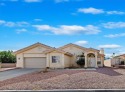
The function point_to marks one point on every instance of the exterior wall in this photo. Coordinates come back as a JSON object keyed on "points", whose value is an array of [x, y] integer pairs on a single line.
{"points": [[117, 60], [34, 55], [38, 49], [58, 64], [75, 51], [8, 65], [34, 52], [67, 61], [20, 62], [100, 59], [107, 63], [113, 61]]}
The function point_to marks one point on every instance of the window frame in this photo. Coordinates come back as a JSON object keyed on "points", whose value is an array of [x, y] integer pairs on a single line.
{"points": [[55, 59]]}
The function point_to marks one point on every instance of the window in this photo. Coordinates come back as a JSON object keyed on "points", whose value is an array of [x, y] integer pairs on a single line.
{"points": [[98, 62], [55, 59]]}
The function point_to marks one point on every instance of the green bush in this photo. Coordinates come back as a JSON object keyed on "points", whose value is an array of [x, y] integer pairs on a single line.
{"points": [[7, 57], [81, 61]]}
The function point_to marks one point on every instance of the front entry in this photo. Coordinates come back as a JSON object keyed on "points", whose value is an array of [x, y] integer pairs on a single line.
{"points": [[92, 62]]}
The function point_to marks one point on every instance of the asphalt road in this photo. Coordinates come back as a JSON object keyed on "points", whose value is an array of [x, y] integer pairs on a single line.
{"points": [[16, 72]]}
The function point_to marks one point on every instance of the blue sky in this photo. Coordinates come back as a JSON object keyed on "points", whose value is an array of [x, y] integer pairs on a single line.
{"points": [[89, 23]]}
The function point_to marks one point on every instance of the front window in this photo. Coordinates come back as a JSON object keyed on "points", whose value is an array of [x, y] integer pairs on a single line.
{"points": [[55, 59], [98, 62]]}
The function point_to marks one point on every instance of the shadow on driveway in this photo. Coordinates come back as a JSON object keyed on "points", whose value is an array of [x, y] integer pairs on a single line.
{"points": [[108, 71]]}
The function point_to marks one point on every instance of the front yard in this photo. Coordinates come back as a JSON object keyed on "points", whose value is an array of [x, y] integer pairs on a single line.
{"points": [[102, 78]]}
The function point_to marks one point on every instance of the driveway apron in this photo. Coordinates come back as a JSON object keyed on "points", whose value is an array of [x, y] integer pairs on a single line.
{"points": [[16, 72]]}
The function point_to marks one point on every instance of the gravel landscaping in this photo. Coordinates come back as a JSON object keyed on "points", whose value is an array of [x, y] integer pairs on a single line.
{"points": [[102, 78]]}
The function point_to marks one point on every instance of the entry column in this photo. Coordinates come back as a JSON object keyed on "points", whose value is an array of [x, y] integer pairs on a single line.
{"points": [[85, 60], [96, 60]]}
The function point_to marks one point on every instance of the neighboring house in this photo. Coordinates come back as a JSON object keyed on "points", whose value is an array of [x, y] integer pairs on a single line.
{"points": [[40, 56], [118, 60]]}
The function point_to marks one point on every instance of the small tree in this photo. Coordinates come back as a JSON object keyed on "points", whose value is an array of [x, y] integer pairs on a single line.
{"points": [[81, 60], [7, 57]]}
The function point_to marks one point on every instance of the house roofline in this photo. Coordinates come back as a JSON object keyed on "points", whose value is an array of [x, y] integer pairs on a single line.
{"points": [[119, 55], [30, 47], [58, 50], [62, 47]]}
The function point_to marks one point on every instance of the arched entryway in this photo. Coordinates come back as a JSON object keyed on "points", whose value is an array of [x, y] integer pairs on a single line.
{"points": [[91, 60]]}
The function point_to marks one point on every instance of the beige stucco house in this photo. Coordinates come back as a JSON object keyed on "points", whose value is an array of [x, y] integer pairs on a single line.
{"points": [[40, 56], [118, 60]]}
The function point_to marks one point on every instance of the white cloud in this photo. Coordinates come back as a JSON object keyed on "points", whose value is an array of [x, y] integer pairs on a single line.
{"points": [[13, 24], [115, 35], [81, 43], [32, 1], [110, 46], [10, 24], [69, 29], [2, 22], [18, 31], [43, 27], [59, 1], [22, 23], [90, 10], [112, 25], [115, 12]]}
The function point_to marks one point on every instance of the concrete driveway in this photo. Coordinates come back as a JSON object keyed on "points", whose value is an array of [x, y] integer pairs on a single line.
{"points": [[16, 72]]}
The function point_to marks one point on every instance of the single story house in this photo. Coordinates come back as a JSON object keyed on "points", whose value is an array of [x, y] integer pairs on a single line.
{"points": [[118, 60], [40, 55]]}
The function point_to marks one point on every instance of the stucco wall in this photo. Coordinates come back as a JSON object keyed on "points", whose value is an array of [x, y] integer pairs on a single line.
{"points": [[38, 49], [19, 59], [34, 55], [75, 51], [116, 61], [34, 52], [59, 64], [67, 61], [8, 65], [107, 63], [101, 58]]}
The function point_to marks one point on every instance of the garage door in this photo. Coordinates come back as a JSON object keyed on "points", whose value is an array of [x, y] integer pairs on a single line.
{"points": [[35, 62]]}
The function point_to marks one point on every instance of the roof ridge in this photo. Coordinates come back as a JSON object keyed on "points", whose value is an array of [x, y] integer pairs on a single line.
{"points": [[72, 44], [30, 46]]}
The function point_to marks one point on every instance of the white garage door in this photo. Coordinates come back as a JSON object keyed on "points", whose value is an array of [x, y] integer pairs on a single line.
{"points": [[35, 62]]}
